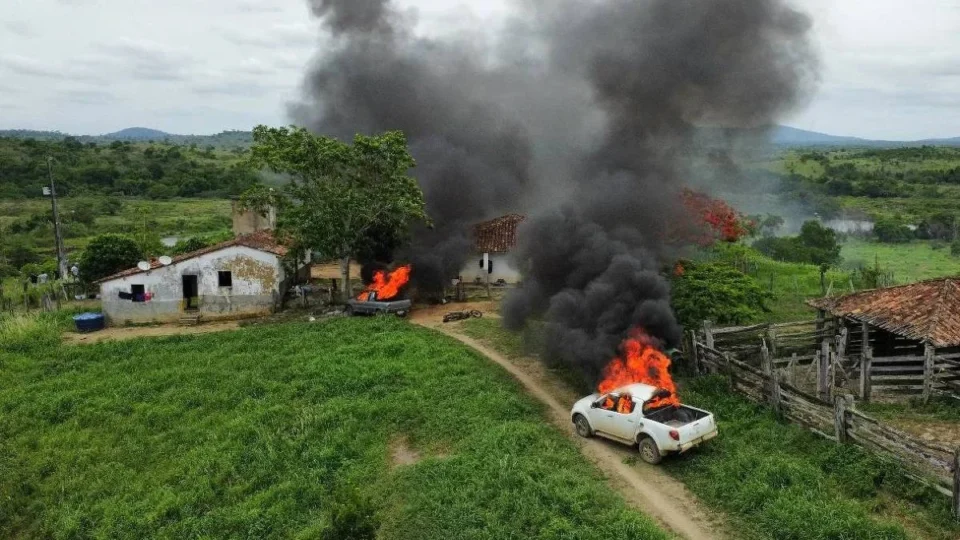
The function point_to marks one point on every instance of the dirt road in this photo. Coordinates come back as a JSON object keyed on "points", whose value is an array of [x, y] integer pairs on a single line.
{"points": [[134, 332], [645, 487]]}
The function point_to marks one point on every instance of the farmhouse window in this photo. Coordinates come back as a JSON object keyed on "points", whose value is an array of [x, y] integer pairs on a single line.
{"points": [[225, 279], [138, 292]]}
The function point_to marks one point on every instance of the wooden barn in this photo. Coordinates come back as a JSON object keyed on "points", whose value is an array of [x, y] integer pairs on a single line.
{"points": [[911, 332]]}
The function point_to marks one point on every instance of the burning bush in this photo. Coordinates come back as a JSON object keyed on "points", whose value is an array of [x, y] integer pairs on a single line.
{"points": [[719, 220]]}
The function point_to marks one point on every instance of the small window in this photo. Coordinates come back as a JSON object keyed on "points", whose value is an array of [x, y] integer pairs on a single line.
{"points": [[138, 290], [225, 279]]}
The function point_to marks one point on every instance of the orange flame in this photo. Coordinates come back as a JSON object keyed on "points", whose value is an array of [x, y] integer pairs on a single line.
{"points": [[641, 362], [385, 285]]}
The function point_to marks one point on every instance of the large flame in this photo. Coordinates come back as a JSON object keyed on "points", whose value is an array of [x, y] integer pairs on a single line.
{"points": [[640, 361], [387, 286]]}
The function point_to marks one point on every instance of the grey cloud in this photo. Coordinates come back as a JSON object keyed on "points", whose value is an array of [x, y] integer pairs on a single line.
{"points": [[236, 88], [148, 61], [87, 97], [20, 28], [22, 65], [277, 36]]}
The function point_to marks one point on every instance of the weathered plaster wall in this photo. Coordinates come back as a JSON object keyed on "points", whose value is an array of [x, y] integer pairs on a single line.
{"points": [[257, 278], [502, 269]]}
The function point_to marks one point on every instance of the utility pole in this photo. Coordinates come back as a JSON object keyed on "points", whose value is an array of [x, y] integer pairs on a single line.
{"points": [[61, 256]]}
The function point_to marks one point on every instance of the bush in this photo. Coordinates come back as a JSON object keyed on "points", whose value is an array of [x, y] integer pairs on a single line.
{"points": [[716, 292], [108, 254], [816, 244], [892, 230]]}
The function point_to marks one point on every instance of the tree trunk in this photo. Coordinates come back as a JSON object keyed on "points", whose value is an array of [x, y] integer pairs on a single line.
{"points": [[347, 288]]}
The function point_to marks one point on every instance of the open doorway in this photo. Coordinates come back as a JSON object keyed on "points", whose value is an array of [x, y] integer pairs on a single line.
{"points": [[191, 293]]}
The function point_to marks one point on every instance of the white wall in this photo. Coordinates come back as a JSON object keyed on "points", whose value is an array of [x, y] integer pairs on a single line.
{"points": [[502, 269], [257, 278]]}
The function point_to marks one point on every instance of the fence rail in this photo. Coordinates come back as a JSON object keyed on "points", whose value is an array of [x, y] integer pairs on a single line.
{"points": [[933, 465]]}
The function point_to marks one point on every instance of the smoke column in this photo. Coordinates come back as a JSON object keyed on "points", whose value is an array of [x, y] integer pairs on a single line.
{"points": [[584, 115]]}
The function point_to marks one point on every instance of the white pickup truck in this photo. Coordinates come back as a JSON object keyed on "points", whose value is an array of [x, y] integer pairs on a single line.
{"points": [[624, 416]]}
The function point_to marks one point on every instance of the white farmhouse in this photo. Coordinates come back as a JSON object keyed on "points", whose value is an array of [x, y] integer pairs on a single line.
{"points": [[493, 240], [243, 277]]}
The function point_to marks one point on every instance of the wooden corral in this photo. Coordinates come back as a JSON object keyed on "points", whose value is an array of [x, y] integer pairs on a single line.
{"points": [[835, 418]]}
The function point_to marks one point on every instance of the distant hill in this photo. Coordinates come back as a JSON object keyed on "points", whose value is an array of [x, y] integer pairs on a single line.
{"points": [[226, 139], [784, 136], [137, 134]]}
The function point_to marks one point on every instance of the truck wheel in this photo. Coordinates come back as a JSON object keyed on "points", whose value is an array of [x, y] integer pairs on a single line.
{"points": [[582, 426], [349, 311], [649, 451], [380, 313]]}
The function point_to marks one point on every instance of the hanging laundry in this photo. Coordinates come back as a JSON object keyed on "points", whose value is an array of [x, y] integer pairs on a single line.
{"points": [[125, 296], [138, 298]]}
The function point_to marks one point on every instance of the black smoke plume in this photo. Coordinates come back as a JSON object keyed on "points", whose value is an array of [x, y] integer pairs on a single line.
{"points": [[586, 115]]}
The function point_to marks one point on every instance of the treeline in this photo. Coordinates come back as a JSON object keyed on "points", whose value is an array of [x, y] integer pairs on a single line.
{"points": [[156, 171]]}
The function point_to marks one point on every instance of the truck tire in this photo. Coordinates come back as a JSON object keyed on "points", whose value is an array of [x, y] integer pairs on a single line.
{"points": [[349, 311], [582, 426], [649, 451]]}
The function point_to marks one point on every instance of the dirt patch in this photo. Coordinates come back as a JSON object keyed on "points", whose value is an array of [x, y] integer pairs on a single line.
{"points": [[402, 454], [941, 432], [433, 315], [122, 334], [645, 487]]}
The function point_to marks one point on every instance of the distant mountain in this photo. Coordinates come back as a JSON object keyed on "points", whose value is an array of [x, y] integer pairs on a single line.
{"points": [[793, 137], [783, 136], [137, 134]]}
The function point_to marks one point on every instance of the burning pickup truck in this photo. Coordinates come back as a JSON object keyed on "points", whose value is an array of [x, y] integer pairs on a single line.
{"points": [[381, 296], [630, 415], [637, 403]]}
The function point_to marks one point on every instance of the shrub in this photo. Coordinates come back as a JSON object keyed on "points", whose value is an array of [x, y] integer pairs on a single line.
{"points": [[108, 254], [717, 292], [26, 332], [816, 244], [892, 230]]}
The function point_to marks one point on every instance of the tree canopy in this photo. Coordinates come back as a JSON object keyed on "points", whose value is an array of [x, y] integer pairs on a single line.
{"points": [[815, 244], [716, 292], [341, 197], [108, 254]]}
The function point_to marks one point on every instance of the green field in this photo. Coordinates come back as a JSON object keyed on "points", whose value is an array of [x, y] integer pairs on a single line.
{"points": [[909, 263], [285, 431], [777, 480]]}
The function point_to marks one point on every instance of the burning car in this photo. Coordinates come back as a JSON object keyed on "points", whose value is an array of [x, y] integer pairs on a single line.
{"points": [[637, 403], [382, 295], [631, 415]]}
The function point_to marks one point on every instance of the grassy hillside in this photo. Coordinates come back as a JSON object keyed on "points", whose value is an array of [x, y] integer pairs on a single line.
{"points": [[287, 431]]}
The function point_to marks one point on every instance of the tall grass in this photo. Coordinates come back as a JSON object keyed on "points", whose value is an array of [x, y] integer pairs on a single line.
{"points": [[25, 332], [287, 431]]}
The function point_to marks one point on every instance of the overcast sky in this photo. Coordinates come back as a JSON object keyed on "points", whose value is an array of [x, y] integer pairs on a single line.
{"points": [[891, 68]]}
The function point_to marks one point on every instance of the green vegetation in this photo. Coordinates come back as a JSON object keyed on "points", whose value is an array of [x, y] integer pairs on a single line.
{"points": [[345, 201], [908, 263], [157, 171], [716, 292], [815, 244], [288, 431], [108, 254], [938, 408]]}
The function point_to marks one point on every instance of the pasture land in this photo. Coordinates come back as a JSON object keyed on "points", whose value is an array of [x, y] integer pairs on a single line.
{"points": [[348, 428]]}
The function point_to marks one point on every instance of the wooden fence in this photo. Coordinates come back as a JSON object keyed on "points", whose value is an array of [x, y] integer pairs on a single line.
{"points": [[934, 465]]}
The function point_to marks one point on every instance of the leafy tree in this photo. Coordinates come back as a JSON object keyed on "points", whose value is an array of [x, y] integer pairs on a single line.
{"points": [[820, 242], [18, 254], [338, 193], [111, 206], [892, 230], [108, 254], [189, 245], [716, 292]]}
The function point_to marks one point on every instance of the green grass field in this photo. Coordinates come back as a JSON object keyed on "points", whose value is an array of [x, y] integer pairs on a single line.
{"points": [[285, 431], [777, 480], [909, 263]]}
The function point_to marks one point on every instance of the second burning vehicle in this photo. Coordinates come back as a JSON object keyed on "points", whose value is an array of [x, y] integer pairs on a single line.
{"points": [[633, 415]]}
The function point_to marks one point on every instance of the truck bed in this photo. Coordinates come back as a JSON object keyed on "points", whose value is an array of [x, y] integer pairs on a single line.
{"points": [[676, 416]]}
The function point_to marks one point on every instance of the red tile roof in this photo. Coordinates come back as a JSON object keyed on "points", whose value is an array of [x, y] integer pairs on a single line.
{"points": [[926, 311], [260, 240], [497, 235]]}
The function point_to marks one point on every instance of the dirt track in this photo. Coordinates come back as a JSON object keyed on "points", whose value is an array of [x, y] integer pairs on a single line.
{"points": [[645, 487]]}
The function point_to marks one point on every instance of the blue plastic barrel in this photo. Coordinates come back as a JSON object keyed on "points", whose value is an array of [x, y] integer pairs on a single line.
{"points": [[89, 322]]}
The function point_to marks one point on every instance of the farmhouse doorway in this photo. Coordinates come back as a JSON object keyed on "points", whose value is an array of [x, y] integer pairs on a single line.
{"points": [[191, 293]]}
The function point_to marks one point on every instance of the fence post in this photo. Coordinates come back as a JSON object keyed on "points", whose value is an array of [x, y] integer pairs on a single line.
{"points": [[765, 363], [823, 372], [708, 334], [956, 485], [840, 418], [929, 357], [694, 357], [866, 362], [772, 334]]}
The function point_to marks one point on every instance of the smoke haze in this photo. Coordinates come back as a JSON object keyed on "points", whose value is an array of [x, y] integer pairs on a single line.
{"points": [[588, 116]]}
